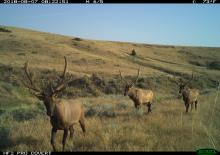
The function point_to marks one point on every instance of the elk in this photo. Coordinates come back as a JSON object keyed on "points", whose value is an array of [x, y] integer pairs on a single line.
{"points": [[137, 95], [189, 95], [63, 113]]}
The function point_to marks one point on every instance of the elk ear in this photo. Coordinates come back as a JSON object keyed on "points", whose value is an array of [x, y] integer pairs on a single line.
{"points": [[131, 85], [54, 95]]}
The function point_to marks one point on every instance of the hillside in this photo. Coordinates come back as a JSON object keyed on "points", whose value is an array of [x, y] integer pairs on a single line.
{"points": [[45, 50], [22, 115]]}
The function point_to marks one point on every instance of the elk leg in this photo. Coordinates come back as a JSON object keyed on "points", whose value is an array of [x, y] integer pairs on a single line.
{"points": [[82, 124], [136, 106], [149, 107], [196, 104], [139, 106], [191, 106], [187, 107], [65, 134], [71, 132], [53, 134]]}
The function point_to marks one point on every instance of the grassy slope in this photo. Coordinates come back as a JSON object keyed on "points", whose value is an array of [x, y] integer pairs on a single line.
{"points": [[168, 128], [46, 50]]}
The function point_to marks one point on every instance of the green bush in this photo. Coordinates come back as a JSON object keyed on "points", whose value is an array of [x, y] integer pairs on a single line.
{"points": [[77, 39], [214, 65], [34, 52], [92, 111], [139, 112], [98, 81], [4, 136], [122, 106], [103, 110], [2, 29], [21, 54], [2, 111], [83, 86], [114, 86], [25, 114]]}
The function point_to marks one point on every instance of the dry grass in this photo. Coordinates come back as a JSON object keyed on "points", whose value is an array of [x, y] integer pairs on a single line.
{"points": [[112, 122], [46, 50], [168, 128]]}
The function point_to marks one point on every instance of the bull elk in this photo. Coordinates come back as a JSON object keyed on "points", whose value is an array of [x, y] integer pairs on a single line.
{"points": [[137, 95], [190, 96], [63, 113]]}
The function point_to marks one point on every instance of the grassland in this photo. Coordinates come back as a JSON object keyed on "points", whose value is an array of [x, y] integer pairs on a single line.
{"points": [[112, 122]]}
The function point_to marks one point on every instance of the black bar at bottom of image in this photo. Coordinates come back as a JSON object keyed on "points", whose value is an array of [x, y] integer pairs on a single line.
{"points": [[95, 152]]}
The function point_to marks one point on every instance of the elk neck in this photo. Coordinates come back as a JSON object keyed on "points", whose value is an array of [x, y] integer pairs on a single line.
{"points": [[132, 93], [185, 92], [50, 103]]}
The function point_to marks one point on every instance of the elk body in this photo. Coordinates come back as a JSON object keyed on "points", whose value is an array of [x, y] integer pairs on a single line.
{"points": [[190, 96], [63, 113], [137, 95]]}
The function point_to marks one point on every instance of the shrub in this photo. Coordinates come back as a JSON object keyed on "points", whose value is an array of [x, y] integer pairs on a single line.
{"points": [[2, 111], [107, 110], [98, 81], [138, 112], [107, 114], [2, 29], [4, 136], [84, 87], [21, 54], [197, 63], [113, 87], [24, 114], [103, 110], [34, 52], [122, 106], [214, 65], [92, 111], [77, 39], [133, 53]]}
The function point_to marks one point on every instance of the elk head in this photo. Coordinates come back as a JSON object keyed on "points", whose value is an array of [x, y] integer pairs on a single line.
{"points": [[182, 85], [49, 93], [128, 85]]}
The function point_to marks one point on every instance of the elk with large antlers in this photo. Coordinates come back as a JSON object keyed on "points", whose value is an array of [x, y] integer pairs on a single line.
{"points": [[137, 95], [189, 95], [63, 113]]}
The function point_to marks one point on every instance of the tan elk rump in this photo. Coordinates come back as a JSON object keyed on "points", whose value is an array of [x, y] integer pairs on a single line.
{"points": [[63, 113], [137, 95]]}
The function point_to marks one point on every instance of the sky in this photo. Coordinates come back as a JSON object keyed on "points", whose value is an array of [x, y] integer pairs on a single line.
{"points": [[167, 24]]}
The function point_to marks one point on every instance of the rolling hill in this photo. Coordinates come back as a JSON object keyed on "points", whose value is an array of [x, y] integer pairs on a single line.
{"points": [[46, 50], [118, 127]]}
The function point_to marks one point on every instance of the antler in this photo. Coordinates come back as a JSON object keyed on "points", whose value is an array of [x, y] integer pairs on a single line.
{"points": [[126, 81], [187, 82], [31, 86], [122, 77], [137, 76], [174, 80], [62, 84], [64, 71], [178, 81]]}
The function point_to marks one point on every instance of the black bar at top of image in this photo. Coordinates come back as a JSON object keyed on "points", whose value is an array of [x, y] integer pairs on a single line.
{"points": [[144, 1], [108, 1]]}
